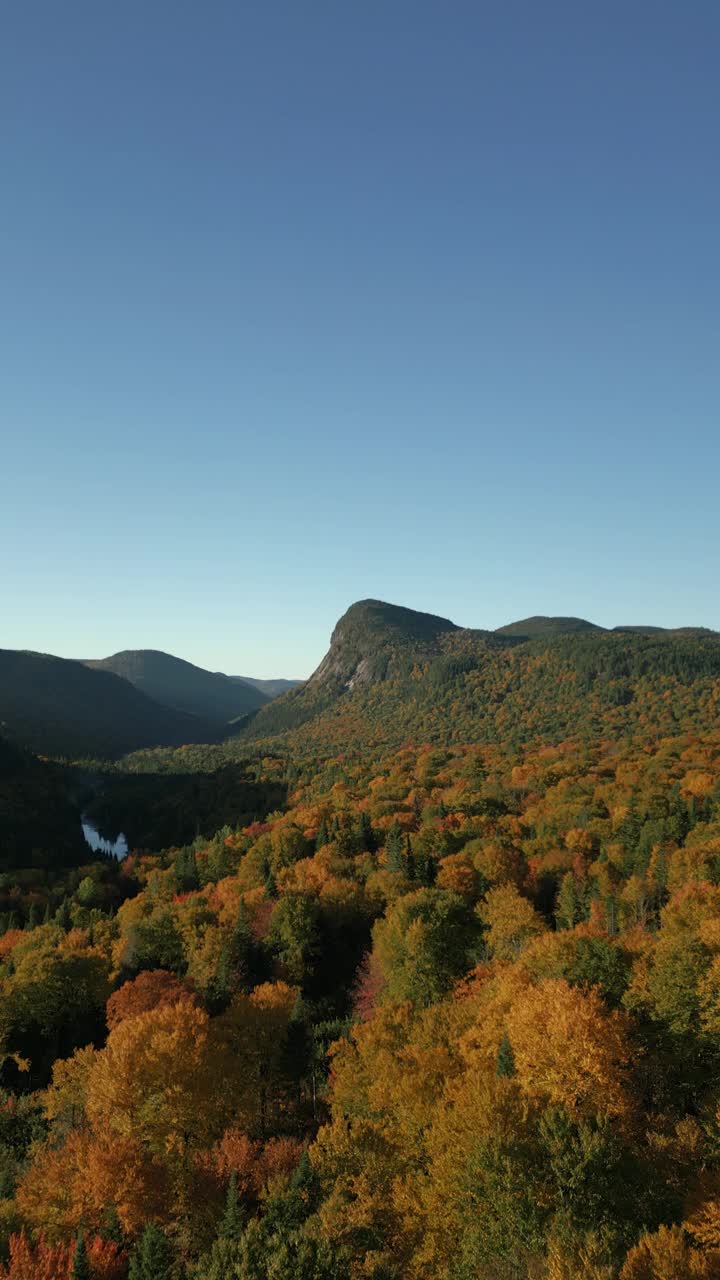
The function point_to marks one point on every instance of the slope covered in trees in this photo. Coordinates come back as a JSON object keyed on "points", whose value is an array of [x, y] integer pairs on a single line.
{"points": [[60, 707], [391, 676], [179, 684], [448, 1013], [39, 820], [273, 688], [438, 998], [537, 627]]}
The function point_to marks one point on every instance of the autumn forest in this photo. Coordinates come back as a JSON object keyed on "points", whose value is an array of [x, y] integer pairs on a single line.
{"points": [[412, 973]]}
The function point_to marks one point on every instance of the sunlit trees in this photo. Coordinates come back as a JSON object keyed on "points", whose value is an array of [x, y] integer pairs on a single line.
{"points": [[423, 944]]}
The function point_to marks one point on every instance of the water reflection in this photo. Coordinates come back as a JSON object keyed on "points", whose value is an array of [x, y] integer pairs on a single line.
{"points": [[98, 843]]}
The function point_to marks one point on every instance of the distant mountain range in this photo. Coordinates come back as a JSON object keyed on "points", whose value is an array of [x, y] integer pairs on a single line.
{"points": [[179, 684], [57, 706], [273, 688], [110, 706], [391, 674]]}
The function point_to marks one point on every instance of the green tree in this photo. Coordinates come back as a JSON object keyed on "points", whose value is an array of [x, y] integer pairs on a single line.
{"points": [[567, 913], [233, 1218], [80, 1262], [425, 942], [152, 1258], [394, 848], [294, 934], [505, 1062]]}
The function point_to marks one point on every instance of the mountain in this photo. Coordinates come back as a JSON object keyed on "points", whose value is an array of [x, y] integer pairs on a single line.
{"points": [[58, 706], [366, 638], [182, 685], [537, 627], [370, 642], [273, 688], [392, 675]]}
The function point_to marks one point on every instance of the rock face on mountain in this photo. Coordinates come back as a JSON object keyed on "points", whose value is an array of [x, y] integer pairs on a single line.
{"points": [[366, 636], [57, 706], [394, 675], [183, 686]]}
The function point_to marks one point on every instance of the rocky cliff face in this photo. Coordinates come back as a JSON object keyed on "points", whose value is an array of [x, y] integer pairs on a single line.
{"points": [[366, 636]]}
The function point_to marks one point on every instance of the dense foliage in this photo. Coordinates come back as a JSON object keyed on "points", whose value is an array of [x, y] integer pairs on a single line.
{"points": [[385, 681], [39, 820], [449, 1011], [416, 978]]}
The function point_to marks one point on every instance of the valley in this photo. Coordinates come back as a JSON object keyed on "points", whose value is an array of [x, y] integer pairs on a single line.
{"points": [[417, 961]]}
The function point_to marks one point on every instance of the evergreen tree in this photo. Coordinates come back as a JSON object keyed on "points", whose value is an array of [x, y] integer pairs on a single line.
{"points": [[62, 916], [394, 848], [505, 1061], [424, 869], [566, 905], [112, 1227], [152, 1258], [321, 838], [219, 989], [366, 835], [410, 867], [233, 1219], [186, 871], [80, 1262], [242, 950]]}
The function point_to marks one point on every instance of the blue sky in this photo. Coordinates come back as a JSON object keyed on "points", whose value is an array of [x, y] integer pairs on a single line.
{"points": [[304, 303]]}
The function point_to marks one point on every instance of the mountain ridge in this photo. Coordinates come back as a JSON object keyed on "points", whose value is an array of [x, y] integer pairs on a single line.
{"points": [[183, 685], [59, 706], [392, 674]]}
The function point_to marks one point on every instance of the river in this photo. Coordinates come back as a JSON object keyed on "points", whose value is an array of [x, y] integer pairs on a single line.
{"points": [[99, 844]]}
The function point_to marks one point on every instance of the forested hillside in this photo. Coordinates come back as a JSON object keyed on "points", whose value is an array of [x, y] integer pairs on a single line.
{"points": [[179, 684], [60, 707], [449, 1012], [39, 818], [392, 676], [422, 984]]}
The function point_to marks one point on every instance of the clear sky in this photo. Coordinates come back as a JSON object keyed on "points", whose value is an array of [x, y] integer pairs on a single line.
{"points": [[303, 302]]}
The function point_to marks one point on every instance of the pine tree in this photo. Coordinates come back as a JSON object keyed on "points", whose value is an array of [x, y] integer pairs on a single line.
{"points": [[424, 869], [152, 1258], [219, 988], [410, 867], [233, 1218], [366, 834], [321, 838], [62, 916], [566, 905], [186, 871], [505, 1061], [80, 1263], [112, 1227], [394, 848]]}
